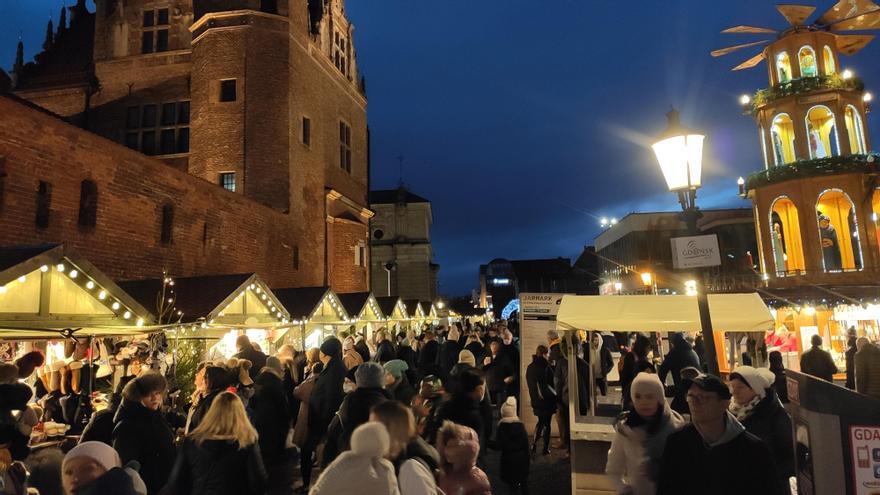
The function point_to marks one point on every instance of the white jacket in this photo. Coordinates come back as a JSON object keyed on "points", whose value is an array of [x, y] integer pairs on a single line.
{"points": [[629, 466]]}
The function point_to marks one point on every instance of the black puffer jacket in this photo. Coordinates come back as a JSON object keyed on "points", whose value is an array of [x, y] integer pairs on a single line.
{"points": [[771, 423], [355, 411], [384, 352], [513, 442], [144, 436], [270, 417], [326, 396], [218, 467], [539, 376], [449, 351], [680, 357]]}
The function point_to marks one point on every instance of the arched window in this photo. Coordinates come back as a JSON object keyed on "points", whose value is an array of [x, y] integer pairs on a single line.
{"points": [[783, 68], [785, 238], [88, 203], [807, 61], [828, 57], [782, 138], [822, 132], [838, 232], [764, 146], [854, 130]]}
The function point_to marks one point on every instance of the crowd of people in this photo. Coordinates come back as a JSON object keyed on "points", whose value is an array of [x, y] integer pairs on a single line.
{"points": [[395, 414]]}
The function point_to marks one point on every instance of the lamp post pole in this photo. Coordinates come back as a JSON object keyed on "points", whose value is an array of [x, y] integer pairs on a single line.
{"points": [[679, 151]]}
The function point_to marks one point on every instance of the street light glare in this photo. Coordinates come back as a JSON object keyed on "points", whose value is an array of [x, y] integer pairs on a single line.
{"points": [[647, 278], [680, 153], [867, 97], [613, 221], [846, 74], [745, 99]]}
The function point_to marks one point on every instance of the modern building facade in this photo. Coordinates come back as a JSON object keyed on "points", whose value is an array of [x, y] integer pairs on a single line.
{"points": [[400, 245], [261, 99]]}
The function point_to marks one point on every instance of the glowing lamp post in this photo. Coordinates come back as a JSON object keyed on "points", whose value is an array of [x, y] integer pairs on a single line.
{"points": [[679, 151]]}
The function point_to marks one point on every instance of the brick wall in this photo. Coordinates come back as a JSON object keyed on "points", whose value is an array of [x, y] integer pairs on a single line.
{"points": [[214, 231], [345, 275]]}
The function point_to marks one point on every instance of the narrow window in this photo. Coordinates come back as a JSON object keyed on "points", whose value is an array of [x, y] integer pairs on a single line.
{"points": [[167, 222], [88, 203], [154, 33], [227, 180], [345, 147], [227, 90], [307, 131], [296, 257], [360, 255], [44, 203]]}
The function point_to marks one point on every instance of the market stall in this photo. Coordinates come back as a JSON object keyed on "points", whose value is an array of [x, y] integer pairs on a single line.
{"points": [[364, 310], [216, 309], [591, 433], [396, 317], [317, 313], [416, 313]]}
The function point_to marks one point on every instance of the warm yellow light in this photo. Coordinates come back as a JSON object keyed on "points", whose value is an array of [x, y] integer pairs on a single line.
{"points": [[810, 311], [745, 99], [867, 97], [140, 322], [613, 221], [3, 289], [60, 267], [115, 305], [846, 74], [73, 273], [647, 278], [44, 268], [440, 304], [740, 181], [90, 285], [22, 278], [126, 315], [681, 160], [102, 295], [618, 286], [690, 287]]}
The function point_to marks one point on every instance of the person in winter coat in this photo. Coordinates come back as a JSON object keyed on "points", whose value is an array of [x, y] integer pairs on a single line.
{"points": [[466, 360], [350, 357], [714, 454], [416, 462], [640, 436], [850, 354], [499, 373], [463, 407], [449, 352], [778, 370], [756, 406], [216, 380], [271, 419], [600, 360], [384, 348], [246, 350], [513, 442], [429, 355], [424, 406], [539, 377], [459, 447], [867, 368], [634, 362], [141, 433], [397, 383], [100, 427], [302, 393], [221, 456], [94, 468], [475, 346], [356, 406], [818, 362], [324, 401], [405, 351], [363, 469], [362, 348], [681, 356]]}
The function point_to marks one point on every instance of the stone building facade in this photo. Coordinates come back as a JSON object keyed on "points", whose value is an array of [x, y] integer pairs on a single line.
{"points": [[401, 241], [259, 99]]}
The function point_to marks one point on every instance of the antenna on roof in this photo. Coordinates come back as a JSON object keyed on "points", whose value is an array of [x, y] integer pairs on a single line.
{"points": [[400, 170]]}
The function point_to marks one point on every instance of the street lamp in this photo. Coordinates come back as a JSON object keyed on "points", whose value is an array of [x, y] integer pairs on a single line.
{"points": [[679, 151]]}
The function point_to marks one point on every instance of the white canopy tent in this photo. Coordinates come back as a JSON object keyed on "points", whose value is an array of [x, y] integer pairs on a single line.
{"points": [[648, 313]]}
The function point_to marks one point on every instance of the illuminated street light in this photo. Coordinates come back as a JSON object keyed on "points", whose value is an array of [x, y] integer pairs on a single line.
{"points": [[613, 221], [690, 287], [647, 279], [745, 100], [741, 185], [846, 74]]}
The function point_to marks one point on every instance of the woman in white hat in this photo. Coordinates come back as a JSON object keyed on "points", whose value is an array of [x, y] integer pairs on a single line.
{"points": [[95, 468], [640, 437]]}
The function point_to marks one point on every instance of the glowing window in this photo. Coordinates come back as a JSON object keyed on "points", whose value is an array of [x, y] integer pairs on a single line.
{"points": [[764, 146], [783, 68], [782, 137], [875, 213], [785, 238], [854, 130], [838, 232], [828, 57], [807, 62], [822, 132]]}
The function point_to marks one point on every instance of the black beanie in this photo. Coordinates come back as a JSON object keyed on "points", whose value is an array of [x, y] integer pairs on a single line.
{"points": [[332, 347]]}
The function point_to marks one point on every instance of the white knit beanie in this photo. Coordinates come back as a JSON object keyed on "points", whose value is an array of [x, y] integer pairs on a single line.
{"points": [[508, 409], [758, 379], [645, 383], [467, 357], [102, 453], [370, 440]]}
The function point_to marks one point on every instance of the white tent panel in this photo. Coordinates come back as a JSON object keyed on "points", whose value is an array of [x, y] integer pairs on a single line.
{"points": [[729, 313]]}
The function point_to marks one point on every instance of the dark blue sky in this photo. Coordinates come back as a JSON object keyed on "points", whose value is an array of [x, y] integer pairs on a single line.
{"points": [[525, 121]]}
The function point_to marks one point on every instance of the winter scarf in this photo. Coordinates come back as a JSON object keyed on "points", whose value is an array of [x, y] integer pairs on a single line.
{"points": [[741, 412]]}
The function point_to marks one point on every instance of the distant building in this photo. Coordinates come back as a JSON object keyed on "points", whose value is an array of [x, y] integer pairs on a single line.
{"points": [[501, 281], [256, 110], [400, 246], [640, 244]]}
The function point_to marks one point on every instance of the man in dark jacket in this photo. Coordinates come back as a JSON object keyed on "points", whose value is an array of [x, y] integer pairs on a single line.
{"points": [[464, 406], [850, 354], [141, 433], [867, 364], [324, 401], [247, 351], [681, 356], [714, 454], [499, 373], [384, 348], [599, 358], [449, 353], [539, 377], [818, 362], [362, 348], [429, 355]]}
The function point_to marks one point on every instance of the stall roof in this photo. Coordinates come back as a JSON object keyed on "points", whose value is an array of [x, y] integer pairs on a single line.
{"points": [[414, 308], [387, 305], [354, 303], [51, 291], [729, 312], [302, 302]]}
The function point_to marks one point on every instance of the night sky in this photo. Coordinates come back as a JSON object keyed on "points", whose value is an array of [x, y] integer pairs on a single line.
{"points": [[526, 121]]}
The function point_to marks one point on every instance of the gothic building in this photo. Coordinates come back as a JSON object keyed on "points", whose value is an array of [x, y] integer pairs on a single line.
{"points": [[260, 98]]}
